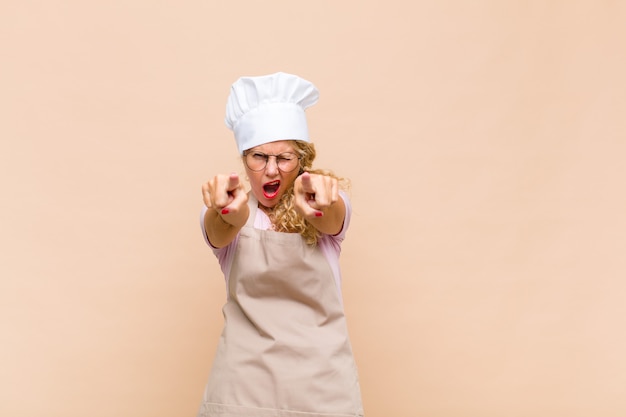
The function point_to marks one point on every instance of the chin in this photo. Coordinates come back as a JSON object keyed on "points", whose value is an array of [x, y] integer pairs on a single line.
{"points": [[269, 205]]}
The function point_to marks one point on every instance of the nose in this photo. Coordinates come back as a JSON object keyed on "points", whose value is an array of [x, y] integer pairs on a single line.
{"points": [[271, 168]]}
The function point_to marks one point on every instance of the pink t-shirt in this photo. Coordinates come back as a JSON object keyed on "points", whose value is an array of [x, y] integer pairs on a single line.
{"points": [[329, 245]]}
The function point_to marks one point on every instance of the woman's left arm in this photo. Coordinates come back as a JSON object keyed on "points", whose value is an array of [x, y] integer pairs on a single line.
{"points": [[317, 200]]}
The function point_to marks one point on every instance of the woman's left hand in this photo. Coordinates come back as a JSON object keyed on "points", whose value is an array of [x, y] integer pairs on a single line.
{"points": [[316, 198], [315, 193]]}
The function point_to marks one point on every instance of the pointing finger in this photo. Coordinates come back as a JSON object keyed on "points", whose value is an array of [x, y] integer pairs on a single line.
{"points": [[233, 182], [307, 184]]}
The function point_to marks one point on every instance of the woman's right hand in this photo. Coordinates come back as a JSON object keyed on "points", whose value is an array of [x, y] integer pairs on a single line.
{"points": [[225, 194], [227, 203]]}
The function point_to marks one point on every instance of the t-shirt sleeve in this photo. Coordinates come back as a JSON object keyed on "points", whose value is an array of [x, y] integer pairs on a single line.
{"points": [[346, 221], [330, 245]]}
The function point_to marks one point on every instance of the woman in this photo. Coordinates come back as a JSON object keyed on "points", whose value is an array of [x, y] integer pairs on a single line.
{"points": [[284, 350]]}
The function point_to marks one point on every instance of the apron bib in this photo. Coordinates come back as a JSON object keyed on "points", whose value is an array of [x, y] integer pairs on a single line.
{"points": [[284, 350]]}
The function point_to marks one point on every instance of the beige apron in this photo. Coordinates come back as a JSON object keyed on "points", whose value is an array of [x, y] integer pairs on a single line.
{"points": [[284, 350]]}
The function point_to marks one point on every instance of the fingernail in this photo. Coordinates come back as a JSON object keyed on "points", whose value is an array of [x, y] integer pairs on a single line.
{"points": [[318, 214], [225, 211]]}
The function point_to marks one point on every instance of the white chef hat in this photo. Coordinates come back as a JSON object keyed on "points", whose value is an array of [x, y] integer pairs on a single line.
{"points": [[269, 108]]}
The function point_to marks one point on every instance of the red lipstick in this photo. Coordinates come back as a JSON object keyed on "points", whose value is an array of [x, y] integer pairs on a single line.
{"points": [[270, 189]]}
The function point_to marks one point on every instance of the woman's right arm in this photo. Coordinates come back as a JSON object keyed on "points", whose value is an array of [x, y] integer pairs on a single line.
{"points": [[227, 203]]}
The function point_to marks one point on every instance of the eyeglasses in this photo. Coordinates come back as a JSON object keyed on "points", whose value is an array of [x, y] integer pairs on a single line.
{"points": [[286, 162]]}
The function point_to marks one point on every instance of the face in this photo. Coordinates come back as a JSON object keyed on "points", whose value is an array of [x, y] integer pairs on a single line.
{"points": [[270, 183]]}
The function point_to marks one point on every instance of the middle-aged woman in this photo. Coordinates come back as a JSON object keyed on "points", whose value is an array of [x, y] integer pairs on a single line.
{"points": [[284, 350]]}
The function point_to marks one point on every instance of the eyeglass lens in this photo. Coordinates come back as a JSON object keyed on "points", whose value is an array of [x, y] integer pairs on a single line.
{"points": [[286, 162]]}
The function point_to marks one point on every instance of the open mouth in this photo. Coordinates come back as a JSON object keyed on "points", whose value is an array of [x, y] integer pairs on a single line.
{"points": [[270, 190]]}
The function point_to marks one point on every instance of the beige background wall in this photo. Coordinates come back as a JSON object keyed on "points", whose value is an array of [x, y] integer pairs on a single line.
{"points": [[484, 272]]}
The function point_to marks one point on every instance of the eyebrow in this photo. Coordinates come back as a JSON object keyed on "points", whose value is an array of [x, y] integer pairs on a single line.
{"points": [[273, 154]]}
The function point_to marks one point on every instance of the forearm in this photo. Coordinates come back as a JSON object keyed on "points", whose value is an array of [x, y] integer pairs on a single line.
{"points": [[219, 232], [332, 218]]}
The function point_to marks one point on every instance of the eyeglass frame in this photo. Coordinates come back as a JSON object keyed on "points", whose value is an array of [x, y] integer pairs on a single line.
{"points": [[267, 159]]}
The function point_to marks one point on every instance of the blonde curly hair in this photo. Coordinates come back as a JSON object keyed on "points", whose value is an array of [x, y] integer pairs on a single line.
{"points": [[283, 215]]}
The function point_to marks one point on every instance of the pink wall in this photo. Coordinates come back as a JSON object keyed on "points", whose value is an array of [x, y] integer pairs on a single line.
{"points": [[484, 269]]}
